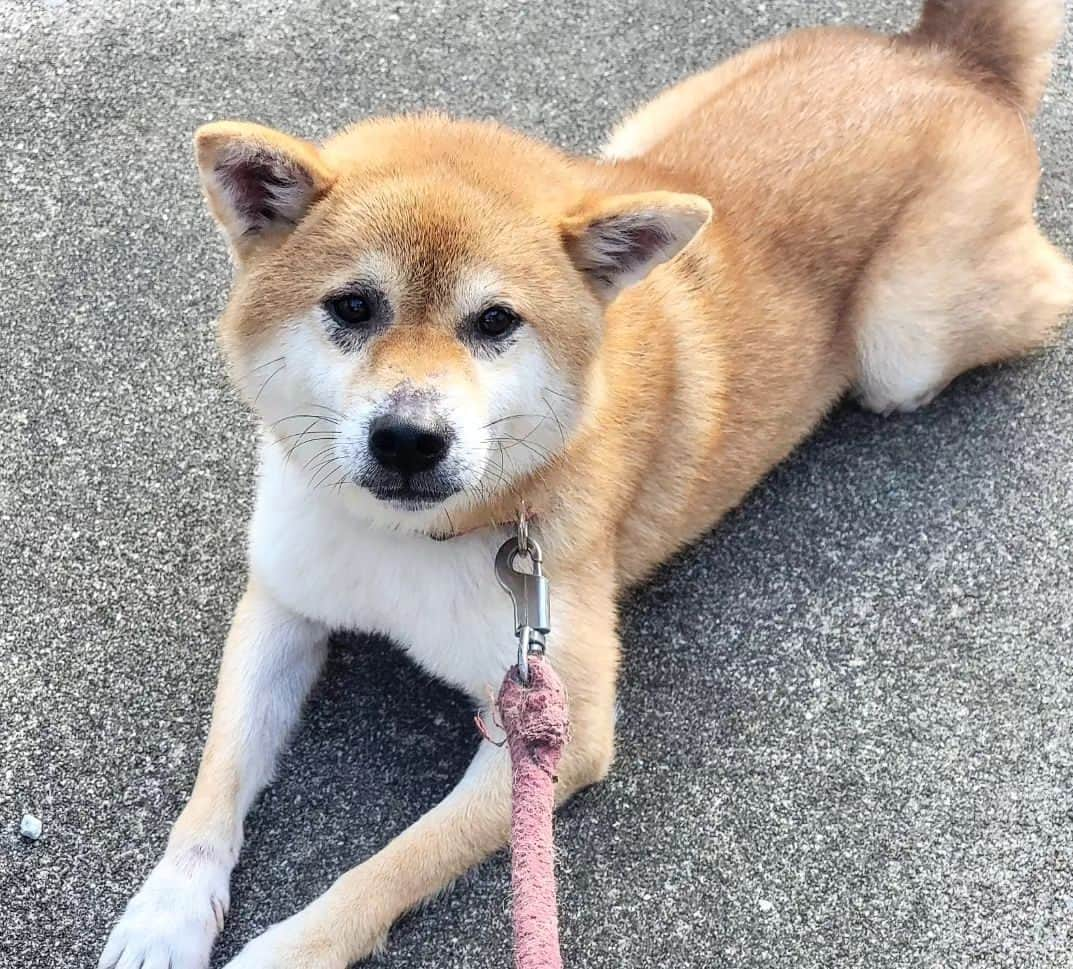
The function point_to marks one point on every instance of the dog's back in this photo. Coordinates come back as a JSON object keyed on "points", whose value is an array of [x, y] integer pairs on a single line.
{"points": [[875, 199]]}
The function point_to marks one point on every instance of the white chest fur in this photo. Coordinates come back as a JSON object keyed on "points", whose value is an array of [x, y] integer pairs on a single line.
{"points": [[438, 600]]}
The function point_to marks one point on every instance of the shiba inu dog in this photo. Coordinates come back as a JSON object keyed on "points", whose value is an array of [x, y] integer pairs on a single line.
{"points": [[437, 320]]}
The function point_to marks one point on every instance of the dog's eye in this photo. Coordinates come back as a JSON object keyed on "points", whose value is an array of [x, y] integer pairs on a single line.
{"points": [[350, 309], [496, 322]]}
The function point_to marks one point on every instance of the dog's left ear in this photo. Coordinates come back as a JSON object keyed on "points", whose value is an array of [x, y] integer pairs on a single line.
{"points": [[260, 183], [618, 241]]}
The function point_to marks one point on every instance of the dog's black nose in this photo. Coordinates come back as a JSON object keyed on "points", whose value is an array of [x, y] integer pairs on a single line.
{"points": [[408, 448]]}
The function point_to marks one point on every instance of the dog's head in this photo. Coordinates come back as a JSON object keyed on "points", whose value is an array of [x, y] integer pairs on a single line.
{"points": [[418, 305]]}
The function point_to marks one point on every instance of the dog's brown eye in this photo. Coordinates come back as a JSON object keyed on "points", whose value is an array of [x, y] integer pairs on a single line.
{"points": [[496, 322], [350, 309]]}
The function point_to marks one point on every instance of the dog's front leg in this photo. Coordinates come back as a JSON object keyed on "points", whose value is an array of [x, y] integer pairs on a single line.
{"points": [[351, 920], [270, 661]]}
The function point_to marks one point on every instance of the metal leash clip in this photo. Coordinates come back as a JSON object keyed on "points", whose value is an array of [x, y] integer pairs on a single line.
{"points": [[529, 591]]}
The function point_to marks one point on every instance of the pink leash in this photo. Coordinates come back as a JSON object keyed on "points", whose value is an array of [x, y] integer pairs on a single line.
{"points": [[535, 719], [533, 709]]}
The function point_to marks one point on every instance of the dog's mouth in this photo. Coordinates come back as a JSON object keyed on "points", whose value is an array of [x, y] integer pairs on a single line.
{"points": [[409, 493]]}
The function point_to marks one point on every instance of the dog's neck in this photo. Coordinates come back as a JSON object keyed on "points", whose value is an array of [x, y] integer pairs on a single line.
{"points": [[501, 512]]}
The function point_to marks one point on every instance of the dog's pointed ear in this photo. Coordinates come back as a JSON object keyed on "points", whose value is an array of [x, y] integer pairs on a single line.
{"points": [[618, 241], [259, 182]]}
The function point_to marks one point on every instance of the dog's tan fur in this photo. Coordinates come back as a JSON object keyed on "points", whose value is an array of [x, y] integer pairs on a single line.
{"points": [[745, 342], [870, 230]]}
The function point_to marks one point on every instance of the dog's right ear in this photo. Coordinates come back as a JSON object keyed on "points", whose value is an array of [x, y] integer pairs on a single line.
{"points": [[259, 182]]}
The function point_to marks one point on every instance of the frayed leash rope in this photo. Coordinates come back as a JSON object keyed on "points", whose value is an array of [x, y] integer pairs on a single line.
{"points": [[533, 711], [534, 716]]}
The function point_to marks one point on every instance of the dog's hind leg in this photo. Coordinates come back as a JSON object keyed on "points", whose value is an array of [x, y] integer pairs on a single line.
{"points": [[926, 317], [965, 277]]}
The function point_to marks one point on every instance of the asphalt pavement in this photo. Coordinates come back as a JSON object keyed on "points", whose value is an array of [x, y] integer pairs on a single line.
{"points": [[845, 735]]}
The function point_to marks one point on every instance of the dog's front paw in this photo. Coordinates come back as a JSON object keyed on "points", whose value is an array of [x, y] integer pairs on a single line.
{"points": [[174, 918], [288, 945]]}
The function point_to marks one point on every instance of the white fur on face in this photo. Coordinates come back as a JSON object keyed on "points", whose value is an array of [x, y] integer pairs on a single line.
{"points": [[530, 404], [532, 408], [317, 401]]}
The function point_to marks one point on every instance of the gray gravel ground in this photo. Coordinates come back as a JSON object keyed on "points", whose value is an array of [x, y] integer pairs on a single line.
{"points": [[845, 737]]}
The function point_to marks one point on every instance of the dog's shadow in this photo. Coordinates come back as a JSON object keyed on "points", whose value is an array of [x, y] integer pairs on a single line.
{"points": [[778, 617]]}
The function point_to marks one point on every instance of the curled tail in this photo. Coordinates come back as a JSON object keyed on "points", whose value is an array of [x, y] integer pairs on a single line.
{"points": [[1005, 42]]}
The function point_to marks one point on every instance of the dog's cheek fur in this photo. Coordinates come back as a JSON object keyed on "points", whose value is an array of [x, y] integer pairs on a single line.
{"points": [[290, 370], [533, 405]]}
